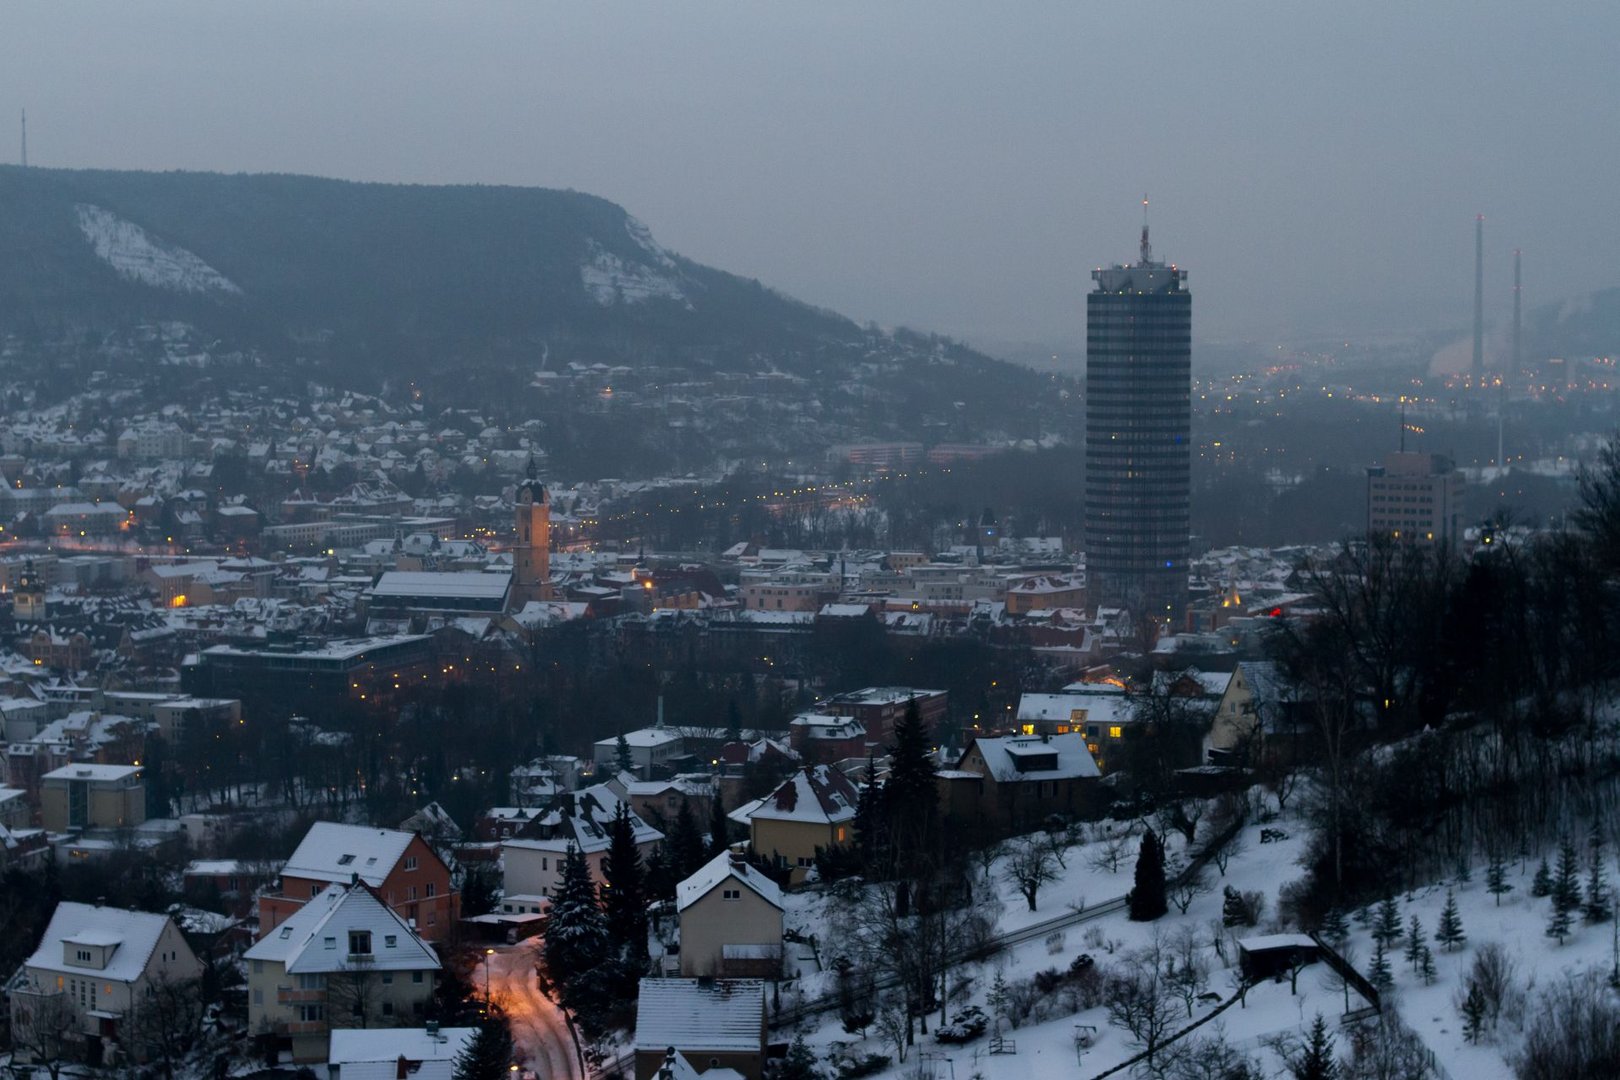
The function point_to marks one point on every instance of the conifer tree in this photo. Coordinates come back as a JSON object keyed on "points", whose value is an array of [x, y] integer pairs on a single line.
{"points": [[1147, 900], [869, 823], [577, 941], [624, 891], [489, 1054], [1473, 1013], [911, 797], [1379, 974], [1599, 908], [1388, 926], [1334, 927], [799, 1063], [1566, 887], [1450, 931], [1415, 942], [1316, 1061], [1426, 966], [733, 722], [719, 826], [1558, 924], [685, 845], [1542, 883], [622, 756], [1496, 882]]}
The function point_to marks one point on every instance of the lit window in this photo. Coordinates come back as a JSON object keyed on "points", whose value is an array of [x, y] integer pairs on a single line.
{"points": [[1115, 732]]}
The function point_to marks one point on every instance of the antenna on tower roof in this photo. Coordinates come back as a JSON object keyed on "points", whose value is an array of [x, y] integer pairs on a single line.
{"points": [[1147, 248], [25, 138]]}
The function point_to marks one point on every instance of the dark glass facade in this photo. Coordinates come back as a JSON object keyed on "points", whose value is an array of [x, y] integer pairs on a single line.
{"points": [[1138, 438]]}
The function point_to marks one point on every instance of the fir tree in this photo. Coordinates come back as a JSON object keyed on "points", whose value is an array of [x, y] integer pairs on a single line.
{"points": [[1450, 931], [1558, 925], [1316, 1061], [1147, 900], [577, 941], [1473, 1013], [1388, 927], [1334, 927], [1379, 974], [1496, 882], [489, 1054], [1542, 883], [911, 796], [1465, 872], [685, 845], [1426, 966], [799, 1063], [1598, 905], [1566, 886], [719, 826], [1000, 999], [1415, 942], [869, 823], [733, 722], [622, 756], [624, 891]]}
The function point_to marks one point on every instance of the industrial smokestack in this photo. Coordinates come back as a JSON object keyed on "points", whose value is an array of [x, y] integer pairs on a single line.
{"points": [[1479, 300], [1518, 356]]}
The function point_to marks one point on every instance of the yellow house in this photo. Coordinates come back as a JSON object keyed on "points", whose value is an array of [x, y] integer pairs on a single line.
{"points": [[814, 809], [731, 921]]}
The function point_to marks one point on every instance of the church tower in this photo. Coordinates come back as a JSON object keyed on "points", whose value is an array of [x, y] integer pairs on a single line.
{"points": [[531, 554], [28, 599]]}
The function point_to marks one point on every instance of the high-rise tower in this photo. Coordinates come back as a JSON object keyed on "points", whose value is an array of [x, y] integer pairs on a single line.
{"points": [[531, 554], [1479, 301], [1138, 432]]}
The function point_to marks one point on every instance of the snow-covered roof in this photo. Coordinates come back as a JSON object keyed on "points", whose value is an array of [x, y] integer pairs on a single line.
{"points": [[315, 938], [375, 1054], [1034, 757], [1076, 708], [817, 793], [706, 1014], [132, 934], [334, 852], [472, 585], [725, 867], [89, 771]]}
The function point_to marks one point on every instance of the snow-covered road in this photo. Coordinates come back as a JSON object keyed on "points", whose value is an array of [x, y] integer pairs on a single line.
{"points": [[538, 1026]]}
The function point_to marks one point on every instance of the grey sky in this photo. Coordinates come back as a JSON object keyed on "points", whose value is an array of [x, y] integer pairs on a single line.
{"points": [[953, 166]]}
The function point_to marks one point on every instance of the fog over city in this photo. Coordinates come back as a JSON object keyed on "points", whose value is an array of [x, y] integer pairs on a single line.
{"points": [[956, 167]]}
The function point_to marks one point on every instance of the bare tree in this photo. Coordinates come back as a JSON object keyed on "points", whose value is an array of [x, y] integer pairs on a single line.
{"points": [[42, 1025], [1142, 1001], [1186, 966], [894, 1025], [1334, 979], [165, 1022], [1110, 851], [354, 992], [1185, 888], [1029, 867]]}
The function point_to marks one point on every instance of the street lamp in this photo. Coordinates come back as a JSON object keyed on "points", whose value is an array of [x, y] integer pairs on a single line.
{"points": [[487, 954]]}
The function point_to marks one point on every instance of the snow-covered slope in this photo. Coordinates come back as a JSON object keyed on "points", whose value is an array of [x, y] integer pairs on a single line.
{"points": [[610, 279], [137, 255]]}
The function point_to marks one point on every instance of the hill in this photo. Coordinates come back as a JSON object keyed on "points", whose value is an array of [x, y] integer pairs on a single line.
{"points": [[466, 290]]}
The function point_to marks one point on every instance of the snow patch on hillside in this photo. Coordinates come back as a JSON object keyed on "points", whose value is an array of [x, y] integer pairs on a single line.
{"points": [[610, 279], [643, 238], [138, 256]]}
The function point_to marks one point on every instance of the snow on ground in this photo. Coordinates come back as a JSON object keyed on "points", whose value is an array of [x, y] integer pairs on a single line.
{"points": [[137, 255], [609, 279]]}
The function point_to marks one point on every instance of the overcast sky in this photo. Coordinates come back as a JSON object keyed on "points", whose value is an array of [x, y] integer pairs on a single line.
{"points": [[952, 166]]}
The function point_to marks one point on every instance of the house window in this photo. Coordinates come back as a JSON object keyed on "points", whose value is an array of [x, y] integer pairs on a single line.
{"points": [[545, 863], [416, 976], [359, 942], [731, 894], [311, 1014], [1115, 732], [330, 943], [431, 889], [258, 997], [388, 1008], [314, 890], [83, 954], [410, 892], [311, 982], [388, 978], [806, 860], [390, 940], [841, 834], [410, 862], [258, 967], [346, 860]]}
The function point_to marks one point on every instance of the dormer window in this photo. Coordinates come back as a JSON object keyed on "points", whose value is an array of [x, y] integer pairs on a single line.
{"points": [[410, 862], [359, 942], [346, 860]]}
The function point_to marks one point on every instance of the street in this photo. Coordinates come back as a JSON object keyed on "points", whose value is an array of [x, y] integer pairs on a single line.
{"points": [[538, 1026]]}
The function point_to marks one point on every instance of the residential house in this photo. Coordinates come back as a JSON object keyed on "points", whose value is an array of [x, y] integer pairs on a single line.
{"points": [[822, 738], [812, 810], [879, 708], [713, 1023], [87, 796], [1261, 714], [581, 819], [424, 1053], [1014, 783], [408, 875], [98, 964], [731, 920], [343, 959]]}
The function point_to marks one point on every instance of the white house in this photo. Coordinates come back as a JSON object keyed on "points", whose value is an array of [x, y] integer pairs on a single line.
{"points": [[424, 1053], [731, 920], [533, 866], [96, 964]]}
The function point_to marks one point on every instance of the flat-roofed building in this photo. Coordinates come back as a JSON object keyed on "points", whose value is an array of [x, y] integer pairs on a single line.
{"points": [[87, 796]]}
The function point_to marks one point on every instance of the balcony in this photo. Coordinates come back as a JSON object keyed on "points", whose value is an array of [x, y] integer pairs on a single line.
{"points": [[286, 995]]}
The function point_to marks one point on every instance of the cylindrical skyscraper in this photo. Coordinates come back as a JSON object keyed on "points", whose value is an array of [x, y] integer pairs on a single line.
{"points": [[1138, 437]]}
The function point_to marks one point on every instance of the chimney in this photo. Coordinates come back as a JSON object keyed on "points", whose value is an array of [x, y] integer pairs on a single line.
{"points": [[431, 1028], [354, 878], [666, 1071]]}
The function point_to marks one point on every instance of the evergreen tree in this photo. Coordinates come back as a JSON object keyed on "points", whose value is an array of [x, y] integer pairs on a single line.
{"points": [[1599, 908], [490, 1053], [622, 756], [869, 823], [577, 942], [1388, 927], [1473, 1013], [624, 891], [1558, 924], [1379, 974], [719, 826], [1542, 883], [1415, 942], [799, 1063], [1450, 931], [1496, 882], [1465, 871], [1566, 887], [685, 845], [1426, 966], [733, 722], [1334, 927], [1316, 1061], [1147, 899], [911, 797]]}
